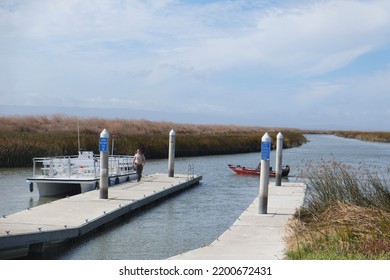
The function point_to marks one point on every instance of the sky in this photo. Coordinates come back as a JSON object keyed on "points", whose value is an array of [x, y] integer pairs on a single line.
{"points": [[309, 64]]}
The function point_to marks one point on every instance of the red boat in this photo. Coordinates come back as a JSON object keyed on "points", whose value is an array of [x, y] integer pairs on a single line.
{"points": [[241, 170]]}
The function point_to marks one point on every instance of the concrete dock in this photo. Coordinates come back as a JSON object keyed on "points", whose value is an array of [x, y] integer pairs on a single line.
{"points": [[70, 218], [255, 236]]}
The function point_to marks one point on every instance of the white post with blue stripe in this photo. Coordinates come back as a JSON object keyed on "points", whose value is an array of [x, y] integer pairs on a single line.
{"points": [[264, 173], [103, 147]]}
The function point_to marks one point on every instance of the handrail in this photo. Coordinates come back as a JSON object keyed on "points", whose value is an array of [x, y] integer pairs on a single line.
{"points": [[190, 172], [76, 166]]}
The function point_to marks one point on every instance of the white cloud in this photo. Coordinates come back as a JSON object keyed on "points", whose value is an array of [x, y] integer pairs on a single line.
{"points": [[190, 56], [315, 94], [323, 36]]}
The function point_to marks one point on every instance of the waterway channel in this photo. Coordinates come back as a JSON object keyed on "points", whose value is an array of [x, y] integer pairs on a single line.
{"points": [[199, 215]]}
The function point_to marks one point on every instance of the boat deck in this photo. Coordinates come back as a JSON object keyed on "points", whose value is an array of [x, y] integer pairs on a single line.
{"points": [[75, 216]]}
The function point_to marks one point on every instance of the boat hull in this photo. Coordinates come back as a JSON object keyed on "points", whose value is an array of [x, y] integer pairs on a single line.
{"points": [[58, 188], [66, 186], [241, 170]]}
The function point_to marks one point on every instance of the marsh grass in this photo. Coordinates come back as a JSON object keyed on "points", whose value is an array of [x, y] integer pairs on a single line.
{"points": [[372, 136], [346, 215], [22, 138]]}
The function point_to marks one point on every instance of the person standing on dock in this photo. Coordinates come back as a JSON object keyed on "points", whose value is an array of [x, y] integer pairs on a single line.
{"points": [[139, 162]]}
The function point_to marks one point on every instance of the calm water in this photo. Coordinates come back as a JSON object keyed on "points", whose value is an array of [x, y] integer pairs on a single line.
{"points": [[199, 215]]}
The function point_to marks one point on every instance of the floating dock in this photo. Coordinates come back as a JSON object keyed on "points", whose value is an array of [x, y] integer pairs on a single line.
{"points": [[35, 229], [255, 236]]}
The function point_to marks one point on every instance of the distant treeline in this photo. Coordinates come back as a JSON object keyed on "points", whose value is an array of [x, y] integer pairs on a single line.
{"points": [[22, 138]]}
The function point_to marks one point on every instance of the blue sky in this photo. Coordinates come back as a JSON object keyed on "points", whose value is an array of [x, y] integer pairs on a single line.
{"points": [[303, 64]]}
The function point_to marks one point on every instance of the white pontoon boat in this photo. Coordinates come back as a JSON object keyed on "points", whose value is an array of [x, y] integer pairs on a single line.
{"points": [[59, 176]]}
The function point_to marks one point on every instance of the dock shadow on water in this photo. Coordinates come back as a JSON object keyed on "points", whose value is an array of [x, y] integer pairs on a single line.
{"points": [[55, 250], [39, 230]]}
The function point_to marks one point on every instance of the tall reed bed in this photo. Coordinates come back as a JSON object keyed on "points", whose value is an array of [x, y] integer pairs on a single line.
{"points": [[22, 138], [346, 215], [61, 123]]}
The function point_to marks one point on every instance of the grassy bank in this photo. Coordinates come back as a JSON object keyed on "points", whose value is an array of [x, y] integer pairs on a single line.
{"points": [[22, 138], [372, 136], [346, 215]]}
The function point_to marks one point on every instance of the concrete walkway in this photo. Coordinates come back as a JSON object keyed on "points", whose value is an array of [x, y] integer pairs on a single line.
{"points": [[255, 236], [70, 218]]}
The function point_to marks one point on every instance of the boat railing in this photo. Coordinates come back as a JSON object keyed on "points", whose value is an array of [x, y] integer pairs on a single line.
{"points": [[190, 172], [76, 167], [65, 167], [120, 164]]}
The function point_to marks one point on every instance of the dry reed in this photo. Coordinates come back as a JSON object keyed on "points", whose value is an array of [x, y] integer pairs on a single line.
{"points": [[343, 231], [372, 136], [346, 215], [62, 123], [22, 138]]}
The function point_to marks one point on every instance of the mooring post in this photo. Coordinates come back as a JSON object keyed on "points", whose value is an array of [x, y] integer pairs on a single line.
{"points": [[171, 156], [279, 149], [103, 147], [264, 173]]}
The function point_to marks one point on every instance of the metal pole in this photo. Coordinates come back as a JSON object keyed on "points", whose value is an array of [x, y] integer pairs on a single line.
{"points": [[171, 158], [279, 149], [69, 168], [103, 147], [78, 135], [112, 146], [264, 173]]}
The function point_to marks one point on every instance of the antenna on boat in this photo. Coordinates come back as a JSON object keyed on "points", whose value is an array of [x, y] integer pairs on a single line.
{"points": [[78, 135], [112, 147]]}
